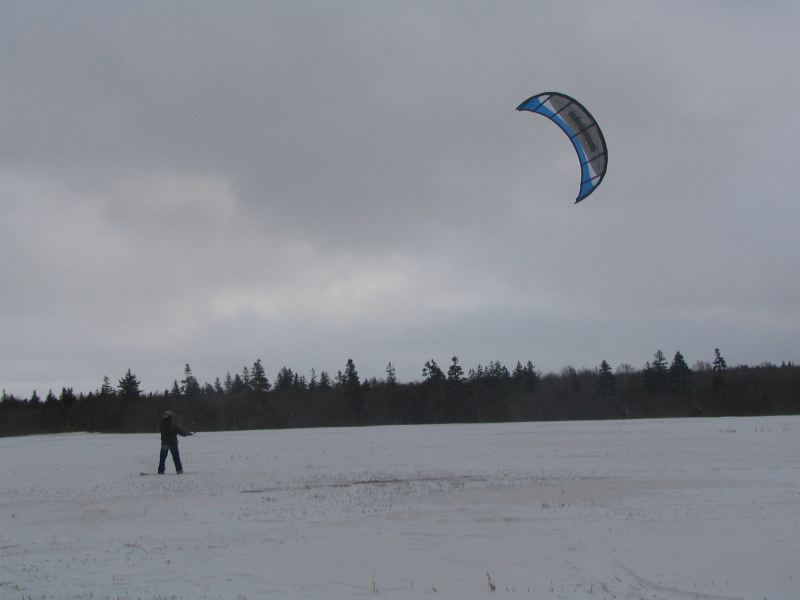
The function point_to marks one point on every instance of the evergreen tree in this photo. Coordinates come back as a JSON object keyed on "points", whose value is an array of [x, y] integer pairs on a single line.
{"points": [[476, 374], [324, 381], [647, 376], [606, 381], [228, 385], [391, 375], [238, 385], [498, 370], [679, 374], [129, 387], [106, 389], [455, 373], [313, 383], [299, 383], [525, 377], [656, 375], [518, 372], [660, 367], [189, 385], [432, 374], [352, 389], [495, 374], [218, 389], [176, 389], [246, 377], [50, 399], [258, 378], [67, 397], [718, 367], [531, 376], [284, 380], [351, 379], [35, 400]]}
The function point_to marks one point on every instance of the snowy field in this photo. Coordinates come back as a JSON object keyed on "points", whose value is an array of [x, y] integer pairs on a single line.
{"points": [[667, 509]]}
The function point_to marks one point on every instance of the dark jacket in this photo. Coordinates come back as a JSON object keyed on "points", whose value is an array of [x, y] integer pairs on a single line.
{"points": [[170, 432]]}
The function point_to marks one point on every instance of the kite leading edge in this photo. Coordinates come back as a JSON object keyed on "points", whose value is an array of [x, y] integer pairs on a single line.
{"points": [[581, 128]]}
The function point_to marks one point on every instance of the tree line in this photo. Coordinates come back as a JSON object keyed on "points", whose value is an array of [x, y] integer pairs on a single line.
{"points": [[484, 393]]}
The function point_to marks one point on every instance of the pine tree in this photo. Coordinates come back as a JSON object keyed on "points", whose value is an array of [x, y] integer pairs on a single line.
{"points": [[35, 400], [351, 379], [218, 389], [189, 385], [299, 383], [284, 380], [518, 372], [679, 374], [228, 385], [129, 387], [313, 383], [495, 374], [647, 376], [258, 378], [67, 397], [718, 367], [50, 399], [238, 385], [176, 389], [606, 381], [498, 370], [106, 389], [455, 373], [525, 377], [339, 380], [324, 381], [531, 376], [391, 375], [432, 373], [476, 374], [656, 374], [660, 370], [352, 389]]}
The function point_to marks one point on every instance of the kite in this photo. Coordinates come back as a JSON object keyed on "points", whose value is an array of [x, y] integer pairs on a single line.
{"points": [[583, 131]]}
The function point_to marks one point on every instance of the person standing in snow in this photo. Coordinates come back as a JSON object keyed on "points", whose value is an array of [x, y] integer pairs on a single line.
{"points": [[169, 442]]}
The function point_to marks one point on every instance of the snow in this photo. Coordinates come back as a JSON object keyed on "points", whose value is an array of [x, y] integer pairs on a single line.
{"points": [[652, 509]]}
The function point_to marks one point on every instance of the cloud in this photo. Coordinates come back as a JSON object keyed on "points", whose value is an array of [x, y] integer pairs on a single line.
{"points": [[303, 183]]}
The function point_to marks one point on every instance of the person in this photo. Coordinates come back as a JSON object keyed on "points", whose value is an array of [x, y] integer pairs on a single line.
{"points": [[169, 442]]}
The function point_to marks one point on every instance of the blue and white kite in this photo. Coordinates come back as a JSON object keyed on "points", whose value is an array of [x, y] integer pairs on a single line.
{"points": [[582, 129]]}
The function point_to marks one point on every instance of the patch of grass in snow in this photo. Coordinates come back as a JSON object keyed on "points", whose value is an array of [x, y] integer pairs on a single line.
{"points": [[492, 586]]}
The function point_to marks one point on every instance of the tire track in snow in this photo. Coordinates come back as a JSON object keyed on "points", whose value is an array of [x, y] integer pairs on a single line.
{"points": [[652, 585]]}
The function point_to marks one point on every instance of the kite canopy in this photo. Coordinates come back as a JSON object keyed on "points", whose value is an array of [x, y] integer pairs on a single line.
{"points": [[582, 129]]}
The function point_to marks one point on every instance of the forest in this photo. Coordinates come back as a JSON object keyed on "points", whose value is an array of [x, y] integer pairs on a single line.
{"points": [[444, 394]]}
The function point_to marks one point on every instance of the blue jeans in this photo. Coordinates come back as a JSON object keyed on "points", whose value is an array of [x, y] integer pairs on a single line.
{"points": [[176, 458]]}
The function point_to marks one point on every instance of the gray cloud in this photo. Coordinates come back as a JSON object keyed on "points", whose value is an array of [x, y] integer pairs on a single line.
{"points": [[304, 182]]}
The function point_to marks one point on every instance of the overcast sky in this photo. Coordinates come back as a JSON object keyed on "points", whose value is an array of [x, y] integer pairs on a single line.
{"points": [[303, 182]]}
